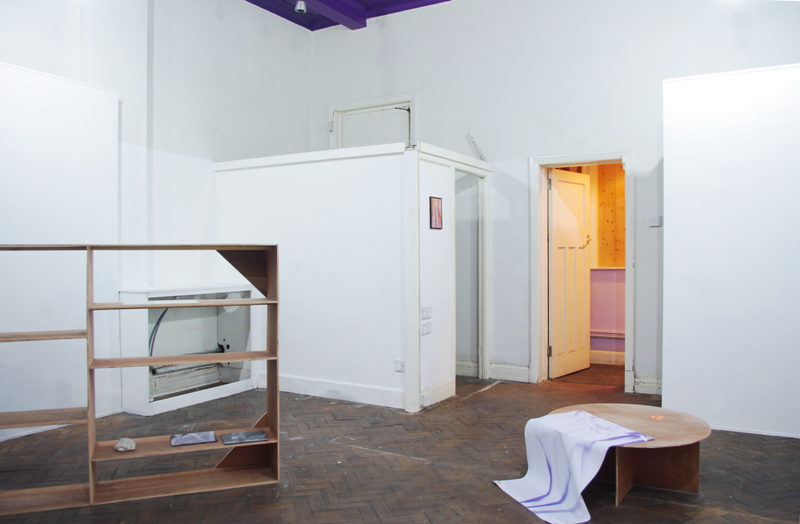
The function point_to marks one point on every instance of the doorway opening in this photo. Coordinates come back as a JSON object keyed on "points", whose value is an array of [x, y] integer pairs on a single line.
{"points": [[586, 245], [584, 266], [467, 230]]}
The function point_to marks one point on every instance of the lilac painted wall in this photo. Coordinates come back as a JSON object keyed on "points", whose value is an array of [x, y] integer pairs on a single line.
{"points": [[608, 307]]}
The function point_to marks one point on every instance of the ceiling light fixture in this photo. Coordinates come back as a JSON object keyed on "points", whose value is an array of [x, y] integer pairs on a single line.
{"points": [[300, 7]]}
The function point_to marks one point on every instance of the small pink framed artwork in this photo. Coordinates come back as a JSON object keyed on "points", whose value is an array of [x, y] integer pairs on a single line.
{"points": [[436, 213]]}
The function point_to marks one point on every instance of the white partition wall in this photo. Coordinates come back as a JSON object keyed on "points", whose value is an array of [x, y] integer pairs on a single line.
{"points": [[731, 185], [358, 261], [59, 148]]}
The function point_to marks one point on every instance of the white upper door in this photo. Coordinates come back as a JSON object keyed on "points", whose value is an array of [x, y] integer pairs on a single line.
{"points": [[570, 224]]}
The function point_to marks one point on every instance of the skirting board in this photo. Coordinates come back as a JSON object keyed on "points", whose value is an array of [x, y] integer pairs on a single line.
{"points": [[754, 432], [10, 434], [361, 393], [613, 358], [465, 368], [437, 393], [508, 372], [647, 385]]}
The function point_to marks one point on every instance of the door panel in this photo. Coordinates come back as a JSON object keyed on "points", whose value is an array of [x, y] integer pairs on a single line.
{"points": [[569, 272]]}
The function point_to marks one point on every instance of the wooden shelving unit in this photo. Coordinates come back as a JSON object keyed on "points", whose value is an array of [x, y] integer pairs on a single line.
{"points": [[247, 464]]}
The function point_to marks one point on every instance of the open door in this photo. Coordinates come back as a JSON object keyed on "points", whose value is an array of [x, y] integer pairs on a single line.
{"points": [[569, 226]]}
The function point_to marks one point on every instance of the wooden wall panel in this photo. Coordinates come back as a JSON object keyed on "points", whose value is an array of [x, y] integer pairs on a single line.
{"points": [[611, 216]]}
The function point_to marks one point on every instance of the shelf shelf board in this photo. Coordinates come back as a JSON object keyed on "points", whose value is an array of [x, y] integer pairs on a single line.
{"points": [[163, 304], [136, 247], [177, 360], [43, 335], [183, 483], [43, 417], [151, 446], [43, 499]]}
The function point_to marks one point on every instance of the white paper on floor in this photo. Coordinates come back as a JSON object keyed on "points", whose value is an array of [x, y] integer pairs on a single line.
{"points": [[565, 452]]}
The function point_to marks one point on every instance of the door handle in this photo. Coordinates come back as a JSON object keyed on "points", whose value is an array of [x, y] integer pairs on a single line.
{"points": [[588, 239]]}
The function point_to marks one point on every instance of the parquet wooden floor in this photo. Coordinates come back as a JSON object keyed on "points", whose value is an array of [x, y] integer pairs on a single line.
{"points": [[355, 463]]}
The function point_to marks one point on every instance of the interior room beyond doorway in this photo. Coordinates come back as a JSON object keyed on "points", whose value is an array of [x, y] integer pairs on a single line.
{"points": [[587, 274]]}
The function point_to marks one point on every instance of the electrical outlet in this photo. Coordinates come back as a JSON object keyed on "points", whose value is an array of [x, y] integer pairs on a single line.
{"points": [[427, 312], [400, 366], [654, 221], [426, 328]]}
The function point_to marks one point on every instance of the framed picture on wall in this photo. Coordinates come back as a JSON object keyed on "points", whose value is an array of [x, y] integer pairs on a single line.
{"points": [[436, 213]]}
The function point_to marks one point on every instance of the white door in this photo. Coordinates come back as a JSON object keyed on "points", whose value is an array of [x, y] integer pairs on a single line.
{"points": [[570, 224]]}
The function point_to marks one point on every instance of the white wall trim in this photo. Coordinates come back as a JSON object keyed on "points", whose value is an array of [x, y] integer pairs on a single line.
{"points": [[612, 358], [509, 372], [363, 394], [411, 282], [647, 385], [312, 156], [539, 249], [466, 368], [437, 393], [473, 166]]}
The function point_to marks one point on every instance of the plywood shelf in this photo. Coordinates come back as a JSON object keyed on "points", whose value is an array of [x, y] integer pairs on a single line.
{"points": [[247, 464], [43, 499], [164, 304], [137, 247], [42, 335], [43, 417], [152, 446], [182, 483], [179, 360]]}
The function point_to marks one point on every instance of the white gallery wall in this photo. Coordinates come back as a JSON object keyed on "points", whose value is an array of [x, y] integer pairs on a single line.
{"points": [[731, 180], [211, 80], [58, 185], [547, 77], [198, 81]]}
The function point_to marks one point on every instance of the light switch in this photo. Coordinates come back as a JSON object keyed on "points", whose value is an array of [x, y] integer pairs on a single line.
{"points": [[400, 366], [427, 312], [654, 221], [426, 328]]}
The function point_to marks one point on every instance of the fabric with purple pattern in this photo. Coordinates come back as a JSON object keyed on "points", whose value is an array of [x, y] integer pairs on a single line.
{"points": [[565, 452]]}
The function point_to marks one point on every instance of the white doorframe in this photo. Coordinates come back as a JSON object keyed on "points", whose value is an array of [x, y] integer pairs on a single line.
{"points": [[539, 167], [482, 170]]}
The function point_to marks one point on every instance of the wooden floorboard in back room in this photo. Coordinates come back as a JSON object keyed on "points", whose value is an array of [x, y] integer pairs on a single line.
{"points": [[355, 463]]}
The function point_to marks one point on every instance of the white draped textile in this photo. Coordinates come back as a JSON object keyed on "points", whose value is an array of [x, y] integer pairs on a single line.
{"points": [[565, 452]]}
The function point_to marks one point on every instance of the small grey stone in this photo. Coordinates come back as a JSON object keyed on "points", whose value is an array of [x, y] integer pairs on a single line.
{"points": [[125, 444]]}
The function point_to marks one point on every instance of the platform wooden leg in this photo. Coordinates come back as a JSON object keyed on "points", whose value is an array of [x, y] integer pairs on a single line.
{"points": [[625, 472], [676, 468]]}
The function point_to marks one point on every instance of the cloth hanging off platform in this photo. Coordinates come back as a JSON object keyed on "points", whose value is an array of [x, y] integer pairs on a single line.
{"points": [[565, 452]]}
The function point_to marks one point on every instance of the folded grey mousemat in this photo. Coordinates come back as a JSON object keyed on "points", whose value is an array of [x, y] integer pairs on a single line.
{"points": [[202, 437], [243, 437]]}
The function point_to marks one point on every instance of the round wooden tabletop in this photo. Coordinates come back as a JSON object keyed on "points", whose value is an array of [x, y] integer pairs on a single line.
{"points": [[669, 428]]}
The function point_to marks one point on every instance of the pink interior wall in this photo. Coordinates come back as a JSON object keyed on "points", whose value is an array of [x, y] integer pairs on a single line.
{"points": [[608, 307]]}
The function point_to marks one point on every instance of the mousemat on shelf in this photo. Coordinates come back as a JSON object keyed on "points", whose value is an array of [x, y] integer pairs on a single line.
{"points": [[243, 437], [202, 437]]}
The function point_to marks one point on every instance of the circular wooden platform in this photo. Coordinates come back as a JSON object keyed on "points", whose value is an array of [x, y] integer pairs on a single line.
{"points": [[669, 428]]}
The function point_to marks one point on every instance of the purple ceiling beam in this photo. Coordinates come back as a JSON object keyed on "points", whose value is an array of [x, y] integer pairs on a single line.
{"points": [[351, 16]]}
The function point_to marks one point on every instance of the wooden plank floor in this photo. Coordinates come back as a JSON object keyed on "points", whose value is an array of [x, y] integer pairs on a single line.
{"points": [[354, 463]]}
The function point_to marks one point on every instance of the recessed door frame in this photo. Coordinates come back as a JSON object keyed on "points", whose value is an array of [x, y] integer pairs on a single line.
{"points": [[539, 245], [418, 152]]}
